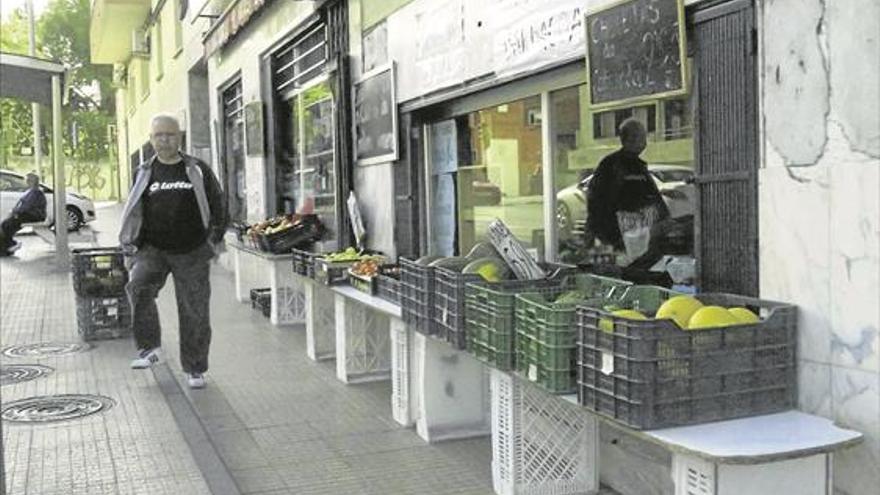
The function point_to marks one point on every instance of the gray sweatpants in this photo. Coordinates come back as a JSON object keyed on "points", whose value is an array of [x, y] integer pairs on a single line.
{"points": [[148, 271]]}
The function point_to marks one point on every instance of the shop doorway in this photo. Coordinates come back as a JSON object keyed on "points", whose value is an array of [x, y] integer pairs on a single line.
{"points": [[726, 148], [233, 153]]}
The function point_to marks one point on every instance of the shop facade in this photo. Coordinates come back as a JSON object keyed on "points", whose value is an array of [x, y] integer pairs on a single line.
{"points": [[495, 121]]}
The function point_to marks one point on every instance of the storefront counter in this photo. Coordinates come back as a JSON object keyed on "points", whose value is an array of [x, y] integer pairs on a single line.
{"points": [[542, 443], [256, 269]]}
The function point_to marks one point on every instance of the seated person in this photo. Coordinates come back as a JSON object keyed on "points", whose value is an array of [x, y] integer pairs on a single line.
{"points": [[30, 208]]}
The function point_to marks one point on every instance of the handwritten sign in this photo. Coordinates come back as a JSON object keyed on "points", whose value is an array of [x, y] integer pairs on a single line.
{"points": [[375, 120], [635, 51]]}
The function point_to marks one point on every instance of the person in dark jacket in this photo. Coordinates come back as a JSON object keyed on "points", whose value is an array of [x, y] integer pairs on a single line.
{"points": [[622, 184], [173, 223], [30, 208]]}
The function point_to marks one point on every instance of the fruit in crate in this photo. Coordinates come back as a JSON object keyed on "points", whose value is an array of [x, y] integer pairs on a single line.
{"points": [[454, 263], [368, 267], [349, 254], [680, 309], [606, 325], [491, 269], [710, 317], [744, 315]]}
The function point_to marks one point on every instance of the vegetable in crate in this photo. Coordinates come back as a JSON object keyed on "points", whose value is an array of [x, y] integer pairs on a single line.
{"points": [[607, 325], [368, 267], [572, 297], [491, 269], [711, 317], [680, 309], [349, 254]]}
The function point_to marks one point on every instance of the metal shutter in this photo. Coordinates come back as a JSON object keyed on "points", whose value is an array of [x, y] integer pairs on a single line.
{"points": [[727, 149]]}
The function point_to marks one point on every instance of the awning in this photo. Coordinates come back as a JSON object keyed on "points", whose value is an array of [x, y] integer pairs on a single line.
{"points": [[28, 78]]}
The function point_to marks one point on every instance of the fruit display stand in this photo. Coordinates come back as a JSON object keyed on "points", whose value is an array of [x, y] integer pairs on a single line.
{"points": [[255, 269], [449, 391], [547, 444], [363, 339]]}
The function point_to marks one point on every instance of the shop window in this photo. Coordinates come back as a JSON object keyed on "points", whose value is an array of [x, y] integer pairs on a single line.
{"points": [[678, 123], [301, 60], [157, 48], [606, 124], [307, 167], [578, 149], [487, 165], [233, 157]]}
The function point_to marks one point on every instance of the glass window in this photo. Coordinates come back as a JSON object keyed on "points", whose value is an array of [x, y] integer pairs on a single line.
{"points": [[157, 39], [307, 167], [581, 138], [487, 165]]}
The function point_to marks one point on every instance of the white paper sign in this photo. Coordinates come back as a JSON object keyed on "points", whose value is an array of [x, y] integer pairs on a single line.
{"points": [[607, 363]]}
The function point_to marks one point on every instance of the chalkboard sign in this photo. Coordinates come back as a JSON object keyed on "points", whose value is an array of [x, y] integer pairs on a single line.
{"points": [[635, 50], [375, 117]]}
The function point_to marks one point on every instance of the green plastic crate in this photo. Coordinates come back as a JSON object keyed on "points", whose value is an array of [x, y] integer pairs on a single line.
{"points": [[545, 330]]}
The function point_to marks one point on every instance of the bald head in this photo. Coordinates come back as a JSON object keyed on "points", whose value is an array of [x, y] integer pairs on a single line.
{"points": [[633, 136], [165, 137]]}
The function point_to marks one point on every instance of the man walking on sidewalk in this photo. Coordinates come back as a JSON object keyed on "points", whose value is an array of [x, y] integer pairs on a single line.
{"points": [[173, 222]]}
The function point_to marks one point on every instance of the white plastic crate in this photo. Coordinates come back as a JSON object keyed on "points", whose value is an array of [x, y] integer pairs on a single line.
{"points": [[320, 321], [363, 346], [541, 444], [400, 373]]}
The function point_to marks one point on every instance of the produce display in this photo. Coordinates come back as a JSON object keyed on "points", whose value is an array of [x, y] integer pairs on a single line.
{"points": [[350, 254], [686, 311], [274, 224], [367, 267]]}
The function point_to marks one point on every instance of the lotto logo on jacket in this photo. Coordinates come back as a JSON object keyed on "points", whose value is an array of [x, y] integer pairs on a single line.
{"points": [[167, 186]]}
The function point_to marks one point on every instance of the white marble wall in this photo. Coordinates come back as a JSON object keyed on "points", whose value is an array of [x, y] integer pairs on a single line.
{"points": [[820, 217]]}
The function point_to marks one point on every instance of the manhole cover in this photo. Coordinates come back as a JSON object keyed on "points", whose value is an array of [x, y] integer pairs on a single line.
{"points": [[17, 373], [49, 408], [45, 349]]}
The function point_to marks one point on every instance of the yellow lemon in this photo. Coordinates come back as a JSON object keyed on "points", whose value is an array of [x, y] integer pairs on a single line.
{"points": [[607, 325], [744, 315], [711, 316], [679, 309]]}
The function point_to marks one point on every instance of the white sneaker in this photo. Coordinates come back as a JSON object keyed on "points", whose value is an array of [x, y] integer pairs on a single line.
{"points": [[145, 359], [195, 380]]}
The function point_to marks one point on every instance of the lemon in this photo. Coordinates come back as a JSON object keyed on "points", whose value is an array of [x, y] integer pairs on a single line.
{"points": [[711, 316], [607, 325], [679, 309], [744, 315]]}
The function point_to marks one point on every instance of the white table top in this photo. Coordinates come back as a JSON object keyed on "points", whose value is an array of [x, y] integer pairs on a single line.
{"points": [[758, 438], [376, 303], [261, 254], [752, 440]]}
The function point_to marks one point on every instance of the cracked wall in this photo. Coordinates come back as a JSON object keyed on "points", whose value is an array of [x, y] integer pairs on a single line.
{"points": [[819, 209]]}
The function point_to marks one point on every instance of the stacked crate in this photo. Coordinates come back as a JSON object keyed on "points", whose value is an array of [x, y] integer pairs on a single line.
{"points": [[102, 308]]}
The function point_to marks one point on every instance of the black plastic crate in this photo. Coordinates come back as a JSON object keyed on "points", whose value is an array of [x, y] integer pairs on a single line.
{"points": [[304, 262], [99, 272], [308, 230], [99, 318], [388, 288], [262, 299], [652, 374], [417, 296]]}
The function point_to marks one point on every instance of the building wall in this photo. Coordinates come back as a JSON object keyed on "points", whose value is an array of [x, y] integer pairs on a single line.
{"points": [[242, 56], [820, 210]]}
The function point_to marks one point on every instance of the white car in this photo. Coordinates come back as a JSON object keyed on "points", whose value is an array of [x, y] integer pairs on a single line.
{"points": [[673, 182], [80, 209]]}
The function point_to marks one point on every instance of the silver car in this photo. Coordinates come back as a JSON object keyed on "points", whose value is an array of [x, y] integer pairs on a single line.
{"points": [[80, 209], [673, 181]]}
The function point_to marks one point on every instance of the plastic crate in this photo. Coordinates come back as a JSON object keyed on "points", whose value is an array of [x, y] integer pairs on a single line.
{"points": [[308, 230], [540, 445], [99, 272], [652, 374], [545, 332], [489, 317], [449, 299], [417, 296], [366, 285], [262, 299], [101, 318], [332, 272], [388, 288], [304, 262]]}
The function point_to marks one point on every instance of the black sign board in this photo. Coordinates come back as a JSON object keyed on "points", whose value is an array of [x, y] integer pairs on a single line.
{"points": [[375, 117], [635, 50]]}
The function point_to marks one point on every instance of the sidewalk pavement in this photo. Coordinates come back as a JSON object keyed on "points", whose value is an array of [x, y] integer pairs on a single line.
{"points": [[270, 421]]}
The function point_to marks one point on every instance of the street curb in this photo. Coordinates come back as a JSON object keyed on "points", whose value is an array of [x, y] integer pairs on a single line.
{"points": [[212, 467]]}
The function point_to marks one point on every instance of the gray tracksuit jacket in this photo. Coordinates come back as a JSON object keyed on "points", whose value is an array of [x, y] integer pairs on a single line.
{"points": [[209, 197]]}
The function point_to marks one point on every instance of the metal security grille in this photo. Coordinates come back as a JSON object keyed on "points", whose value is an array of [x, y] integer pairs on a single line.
{"points": [[300, 60], [727, 150], [233, 152], [232, 103], [336, 15]]}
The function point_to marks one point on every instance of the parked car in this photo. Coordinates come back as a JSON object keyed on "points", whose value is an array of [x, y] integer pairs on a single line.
{"points": [[673, 181], [80, 209]]}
